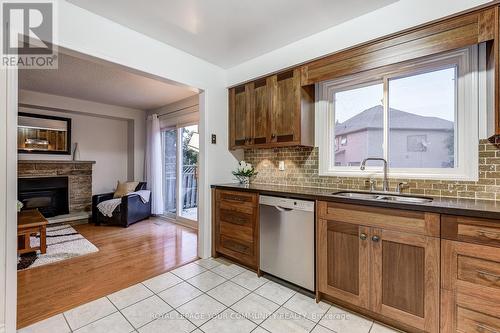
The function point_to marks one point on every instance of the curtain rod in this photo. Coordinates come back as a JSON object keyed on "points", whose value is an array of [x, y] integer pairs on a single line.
{"points": [[178, 111]]}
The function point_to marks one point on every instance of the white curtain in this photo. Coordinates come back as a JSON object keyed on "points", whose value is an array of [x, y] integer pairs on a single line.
{"points": [[154, 167]]}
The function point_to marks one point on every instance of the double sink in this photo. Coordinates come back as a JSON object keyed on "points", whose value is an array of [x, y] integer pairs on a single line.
{"points": [[383, 196]]}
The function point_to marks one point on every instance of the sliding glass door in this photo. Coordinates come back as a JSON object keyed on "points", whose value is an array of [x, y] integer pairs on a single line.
{"points": [[169, 141], [180, 165], [190, 148]]}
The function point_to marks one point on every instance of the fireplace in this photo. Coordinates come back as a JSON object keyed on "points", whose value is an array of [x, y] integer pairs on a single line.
{"points": [[47, 194]]}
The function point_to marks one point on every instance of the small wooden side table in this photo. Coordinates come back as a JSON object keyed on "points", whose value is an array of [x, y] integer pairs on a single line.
{"points": [[31, 222]]}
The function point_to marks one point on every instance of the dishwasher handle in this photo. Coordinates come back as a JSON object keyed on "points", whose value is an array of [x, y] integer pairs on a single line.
{"points": [[283, 209], [286, 204]]}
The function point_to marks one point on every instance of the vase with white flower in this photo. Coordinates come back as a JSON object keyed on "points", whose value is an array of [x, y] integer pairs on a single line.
{"points": [[19, 206], [244, 172]]}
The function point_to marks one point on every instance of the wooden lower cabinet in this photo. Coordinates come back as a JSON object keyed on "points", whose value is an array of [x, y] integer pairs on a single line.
{"points": [[393, 274], [470, 275], [236, 227], [470, 288]]}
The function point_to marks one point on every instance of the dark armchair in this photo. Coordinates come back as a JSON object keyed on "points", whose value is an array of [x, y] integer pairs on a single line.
{"points": [[131, 209]]}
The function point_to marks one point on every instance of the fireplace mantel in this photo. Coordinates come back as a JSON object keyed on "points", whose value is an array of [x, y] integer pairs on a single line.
{"points": [[79, 175], [54, 162]]}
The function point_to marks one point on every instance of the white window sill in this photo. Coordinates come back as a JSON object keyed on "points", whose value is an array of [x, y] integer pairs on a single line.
{"points": [[401, 175]]}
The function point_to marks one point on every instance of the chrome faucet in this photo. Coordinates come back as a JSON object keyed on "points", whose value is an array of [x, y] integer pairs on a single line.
{"points": [[386, 180]]}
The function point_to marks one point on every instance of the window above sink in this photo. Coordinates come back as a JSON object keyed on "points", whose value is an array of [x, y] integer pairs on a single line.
{"points": [[421, 116]]}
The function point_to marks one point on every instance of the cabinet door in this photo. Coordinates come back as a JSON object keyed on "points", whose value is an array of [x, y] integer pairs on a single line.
{"points": [[285, 109], [406, 278], [260, 97], [343, 261], [239, 117]]}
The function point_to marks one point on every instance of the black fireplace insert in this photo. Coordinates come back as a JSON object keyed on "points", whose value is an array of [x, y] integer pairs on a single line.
{"points": [[47, 194]]}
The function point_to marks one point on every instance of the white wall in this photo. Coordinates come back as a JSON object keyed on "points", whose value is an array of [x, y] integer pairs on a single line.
{"points": [[126, 133], [398, 16], [101, 137]]}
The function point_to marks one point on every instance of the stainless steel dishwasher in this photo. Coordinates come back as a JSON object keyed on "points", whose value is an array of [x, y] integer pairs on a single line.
{"points": [[287, 239]]}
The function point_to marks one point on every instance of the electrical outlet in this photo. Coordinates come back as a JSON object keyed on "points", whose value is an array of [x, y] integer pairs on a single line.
{"points": [[281, 165], [214, 139]]}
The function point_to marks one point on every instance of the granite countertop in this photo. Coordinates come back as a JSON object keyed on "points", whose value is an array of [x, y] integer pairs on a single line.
{"points": [[467, 207]]}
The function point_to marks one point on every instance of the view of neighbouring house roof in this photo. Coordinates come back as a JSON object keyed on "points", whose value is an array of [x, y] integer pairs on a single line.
{"points": [[372, 118]]}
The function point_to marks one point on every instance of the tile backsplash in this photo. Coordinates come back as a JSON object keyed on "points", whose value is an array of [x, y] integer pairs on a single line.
{"points": [[301, 169]]}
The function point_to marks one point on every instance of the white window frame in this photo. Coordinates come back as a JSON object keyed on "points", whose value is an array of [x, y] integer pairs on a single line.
{"points": [[466, 124]]}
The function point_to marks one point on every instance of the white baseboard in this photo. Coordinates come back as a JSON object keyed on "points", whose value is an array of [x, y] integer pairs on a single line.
{"points": [[2, 328]]}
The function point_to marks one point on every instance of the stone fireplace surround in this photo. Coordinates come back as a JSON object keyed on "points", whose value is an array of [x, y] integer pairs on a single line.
{"points": [[79, 175]]}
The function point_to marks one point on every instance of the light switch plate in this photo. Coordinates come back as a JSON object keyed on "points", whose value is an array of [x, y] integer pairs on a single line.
{"points": [[281, 165]]}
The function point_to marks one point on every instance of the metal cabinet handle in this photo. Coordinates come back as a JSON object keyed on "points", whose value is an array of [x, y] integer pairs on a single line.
{"points": [[363, 236], [375, 238], [483, 273], [486, 328], [488, 234], [237, 247], [234, 198]]}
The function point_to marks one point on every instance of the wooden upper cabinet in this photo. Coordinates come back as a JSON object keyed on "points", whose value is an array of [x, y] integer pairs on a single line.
{"points": [[493, 65], [273, 111], [240, 129]]}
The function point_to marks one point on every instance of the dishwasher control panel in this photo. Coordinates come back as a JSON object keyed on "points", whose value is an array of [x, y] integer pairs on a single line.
{"points": [[288, 203]]}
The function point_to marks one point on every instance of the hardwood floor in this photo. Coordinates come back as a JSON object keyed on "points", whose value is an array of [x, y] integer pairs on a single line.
{"points": [[126, 256]]}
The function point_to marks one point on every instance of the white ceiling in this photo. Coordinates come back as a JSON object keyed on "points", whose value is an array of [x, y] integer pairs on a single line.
{"points": [[103, 83], [229, 32]]}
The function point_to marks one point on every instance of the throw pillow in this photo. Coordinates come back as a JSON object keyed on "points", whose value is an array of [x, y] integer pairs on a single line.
{"points": [[124, 188]]}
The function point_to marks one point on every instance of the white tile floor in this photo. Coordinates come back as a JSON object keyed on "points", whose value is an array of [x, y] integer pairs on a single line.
{"points": [[211, 295]]}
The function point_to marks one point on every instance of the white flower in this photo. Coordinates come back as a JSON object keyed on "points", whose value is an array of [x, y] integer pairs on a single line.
{"points": [[243, 164]]}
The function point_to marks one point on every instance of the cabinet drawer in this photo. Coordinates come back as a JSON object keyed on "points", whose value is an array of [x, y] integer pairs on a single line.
{"points": [[413, 222], [472, 230], [479, 271], [469, 321], [240, 198], [236, 218], [237, 231], [470, 287], [241, 251]]}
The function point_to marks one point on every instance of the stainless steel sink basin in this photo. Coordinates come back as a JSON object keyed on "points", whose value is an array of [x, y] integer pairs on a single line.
{"points": [[383, 197], [357, 195], [406, 199]]}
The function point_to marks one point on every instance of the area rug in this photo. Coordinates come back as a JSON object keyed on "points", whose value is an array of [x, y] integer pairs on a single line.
{"points": [[63, 242]]}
